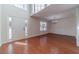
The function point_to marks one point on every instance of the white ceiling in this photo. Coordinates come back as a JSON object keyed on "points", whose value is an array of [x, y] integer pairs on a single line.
{"points": [[57, 11]]}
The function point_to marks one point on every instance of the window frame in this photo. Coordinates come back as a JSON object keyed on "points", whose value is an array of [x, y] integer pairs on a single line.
{"points": [[21, 6], [10, 28], [43, 26], [25, 28]]}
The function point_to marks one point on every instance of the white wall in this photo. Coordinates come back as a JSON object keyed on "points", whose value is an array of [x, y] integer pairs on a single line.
{"points": [[0, 26], [34, 27], [65, 27], [33, 24], [77, 27], [9, 11]]}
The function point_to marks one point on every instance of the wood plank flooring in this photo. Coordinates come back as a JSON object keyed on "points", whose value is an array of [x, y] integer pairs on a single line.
{"points": [[45, 44]]}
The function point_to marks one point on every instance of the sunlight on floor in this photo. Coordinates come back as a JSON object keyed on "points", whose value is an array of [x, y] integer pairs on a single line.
{"points": [[20, 43]]}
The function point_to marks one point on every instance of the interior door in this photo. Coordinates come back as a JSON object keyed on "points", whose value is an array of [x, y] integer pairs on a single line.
{"points": [[18, 25]]}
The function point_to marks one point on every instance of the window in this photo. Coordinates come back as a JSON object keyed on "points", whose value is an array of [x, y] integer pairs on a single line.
{"points": [[22, 6], [10, 27], [43, 26], [37, 7], [26, 32]]}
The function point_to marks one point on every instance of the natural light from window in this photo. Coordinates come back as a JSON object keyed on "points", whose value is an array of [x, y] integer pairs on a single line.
{"points": [[10, 28], [26, 32], [38, 7], [22, 6], [43, 26]]}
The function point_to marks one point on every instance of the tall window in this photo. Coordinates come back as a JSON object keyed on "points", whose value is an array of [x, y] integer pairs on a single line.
{"points": [[26, 32], [43, 26], [10, 27], [38, 7], [22, 6]]}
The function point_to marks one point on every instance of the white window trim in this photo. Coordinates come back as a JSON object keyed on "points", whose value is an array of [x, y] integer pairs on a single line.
{"points": [[41, 26]]}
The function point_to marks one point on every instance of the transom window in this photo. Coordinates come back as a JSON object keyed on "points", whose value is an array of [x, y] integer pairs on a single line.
{"points": [[38, 7], [22, 6]]}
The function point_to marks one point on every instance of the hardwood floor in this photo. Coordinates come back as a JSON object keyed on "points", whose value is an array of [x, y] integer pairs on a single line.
{"points": [[45, 44]]}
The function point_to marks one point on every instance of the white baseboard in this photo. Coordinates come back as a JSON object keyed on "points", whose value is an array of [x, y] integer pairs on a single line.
{"points": [[23, 38], [36, 35]]}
